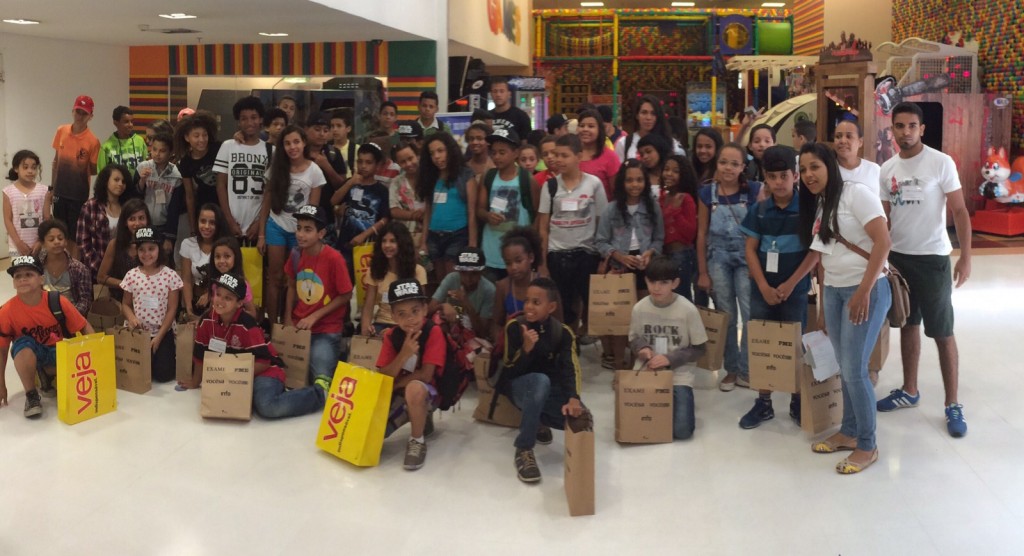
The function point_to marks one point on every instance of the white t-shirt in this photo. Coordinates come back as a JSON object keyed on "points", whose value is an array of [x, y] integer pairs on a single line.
{"points": [[574, 218], [916, 190], [190, 250], [858, 205], [866, 172], [245, 166], [668, 329], [623, 154], [302, 184], [149, 295]]}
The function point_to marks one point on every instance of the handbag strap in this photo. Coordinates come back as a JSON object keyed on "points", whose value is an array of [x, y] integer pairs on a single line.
{"points": [[858, 250]]}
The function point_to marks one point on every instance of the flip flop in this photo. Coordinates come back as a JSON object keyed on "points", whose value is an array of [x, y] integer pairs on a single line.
{"points": [[827, 446], [847, 467]]}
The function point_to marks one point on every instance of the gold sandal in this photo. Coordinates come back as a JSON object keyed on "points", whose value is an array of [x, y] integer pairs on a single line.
{"points": [[847, 467], [828, 446]]}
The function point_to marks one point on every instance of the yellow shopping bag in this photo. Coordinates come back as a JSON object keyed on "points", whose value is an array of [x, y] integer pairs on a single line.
{"points": [[252, 266], [86, 378], [361, 255], [356, 415]]}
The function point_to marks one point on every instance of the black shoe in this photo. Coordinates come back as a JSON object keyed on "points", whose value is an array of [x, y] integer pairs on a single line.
{"points": [[46, 388], [428, 428], [526, 465], [33, 405], [544, 435], [761, 412], [794, 408]]}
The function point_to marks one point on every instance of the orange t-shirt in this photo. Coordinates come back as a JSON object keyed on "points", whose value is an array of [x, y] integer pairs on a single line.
{"points": [[76, 161], [19, 319]]}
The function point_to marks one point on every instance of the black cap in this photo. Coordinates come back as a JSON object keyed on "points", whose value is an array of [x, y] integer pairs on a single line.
{"points": [[503, 134], [311, 212], [779, 158], [470, 259], [606, 112], [410, 130], [146, 235], [318, 118], [555, 122], [235, 284], [25, 261], [404, 290]]}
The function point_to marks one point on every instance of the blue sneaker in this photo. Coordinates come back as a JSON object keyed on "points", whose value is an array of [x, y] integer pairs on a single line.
{"points": [[955, 422], [898, 399]]}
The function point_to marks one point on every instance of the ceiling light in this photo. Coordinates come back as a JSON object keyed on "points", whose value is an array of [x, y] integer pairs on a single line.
{"points": [[177, 16], [22, 21], [683, 4], [592, 4], [296, 80], [273, 34], [773, 5]]}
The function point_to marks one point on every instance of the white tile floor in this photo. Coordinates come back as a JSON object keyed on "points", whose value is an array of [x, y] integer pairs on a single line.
{"points": [[154, 478]]}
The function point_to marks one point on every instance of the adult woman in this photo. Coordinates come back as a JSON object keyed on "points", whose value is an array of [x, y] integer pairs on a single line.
{"points": [[100, 215], [448, 188], [856, 297], [195, 258], [62, 273], [596, 158], [849, 138], [120, 256], [394, 258], [706, 144], [648, 117]]}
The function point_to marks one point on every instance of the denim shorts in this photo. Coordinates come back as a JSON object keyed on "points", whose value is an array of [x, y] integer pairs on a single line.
{"points": [[276, 236], [446, 245], [46, 356]]}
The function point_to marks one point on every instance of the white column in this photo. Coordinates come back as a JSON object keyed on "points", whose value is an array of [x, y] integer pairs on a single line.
{"points": [[441, 57]]}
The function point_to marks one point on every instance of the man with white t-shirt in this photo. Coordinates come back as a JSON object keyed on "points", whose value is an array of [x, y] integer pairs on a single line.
{"points": [[240, 169], [916, 188]]}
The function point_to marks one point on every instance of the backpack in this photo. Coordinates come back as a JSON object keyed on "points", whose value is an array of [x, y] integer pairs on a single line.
{"points": [[525, 195], [452, 380], [53, 300]]}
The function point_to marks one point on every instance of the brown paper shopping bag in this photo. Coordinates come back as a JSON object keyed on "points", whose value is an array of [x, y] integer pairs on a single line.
{"points": [[227, 386], [612, 297], [881, 351], [134, 360], [716, 324], [490, 409], [104, 313], [364, 351], [579, 464], [821, 402], [643, 407], [293, 346], [184, 343], [775, 353]]}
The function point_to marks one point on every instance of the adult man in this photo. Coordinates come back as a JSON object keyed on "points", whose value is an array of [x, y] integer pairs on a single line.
{"points": [[74, 163], [917, 186], [240, 167], [506, 114], [123, 146]]}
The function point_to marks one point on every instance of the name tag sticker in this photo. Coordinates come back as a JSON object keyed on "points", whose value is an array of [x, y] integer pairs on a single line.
{"points": [[661, 345], [570, 205], [357, 194], [772, 264], [440, 197], [220, 346], [499, 204], [913, 193], [161, 197]]}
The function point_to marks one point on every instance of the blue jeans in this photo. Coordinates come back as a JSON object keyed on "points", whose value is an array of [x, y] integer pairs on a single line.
{"points": [[793, 309], [730, 290], [686, 261], [541, 403], [853, 345], [324, 350], [271, 401], [684, 419]]}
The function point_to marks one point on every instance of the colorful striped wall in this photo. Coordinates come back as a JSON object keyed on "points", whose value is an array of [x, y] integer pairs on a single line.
{"points": [[808, 27]]}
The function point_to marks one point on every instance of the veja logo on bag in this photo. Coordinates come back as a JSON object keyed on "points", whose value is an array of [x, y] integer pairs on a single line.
{"points": [[85, 383], [342, 404]]}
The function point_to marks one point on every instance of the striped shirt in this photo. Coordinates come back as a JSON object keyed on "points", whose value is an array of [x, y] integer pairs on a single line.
{"points": [[778, 229]]}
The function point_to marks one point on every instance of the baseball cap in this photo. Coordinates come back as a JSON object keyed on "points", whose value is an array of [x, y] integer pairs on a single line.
{"points": [[83, 102], [503, 134], [311, 212], [25, 261], [470, 259], [779, 158], [233, 283], [319, 118], [606, 112], [404, 290], [410, 130], [555, 122], [185, 112], [146, 235]]}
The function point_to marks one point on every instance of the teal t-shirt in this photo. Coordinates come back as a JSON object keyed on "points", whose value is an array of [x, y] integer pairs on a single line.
{"points": [[505, 199], [448, 212]]}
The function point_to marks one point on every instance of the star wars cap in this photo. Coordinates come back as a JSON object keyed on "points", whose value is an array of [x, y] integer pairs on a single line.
{"points": [[319, 118], [25, 261], [503, 134], [146, 235], [410, 130], [233, 283], [404, 290], [311, 212], [779, 158], [470, 259]]}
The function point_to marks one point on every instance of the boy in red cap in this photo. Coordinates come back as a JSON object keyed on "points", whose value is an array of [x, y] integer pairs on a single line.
{"points": [[74, 164]]}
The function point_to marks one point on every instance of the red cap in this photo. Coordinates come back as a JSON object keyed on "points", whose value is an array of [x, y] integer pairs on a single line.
{"points": [[83, 102]]}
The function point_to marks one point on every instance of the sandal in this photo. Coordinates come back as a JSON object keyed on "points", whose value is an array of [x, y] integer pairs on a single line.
{"points": [[847, 467], [829, 446]]}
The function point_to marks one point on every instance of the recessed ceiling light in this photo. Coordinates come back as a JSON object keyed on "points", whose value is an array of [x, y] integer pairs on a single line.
{"points": [[22, 21], [592, 4], [177, 16], [273, 34], [683, 4], [773, 5]]}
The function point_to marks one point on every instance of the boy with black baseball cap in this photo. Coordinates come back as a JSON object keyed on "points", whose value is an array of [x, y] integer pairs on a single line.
{"points": [[465, 296], [31, 329]]}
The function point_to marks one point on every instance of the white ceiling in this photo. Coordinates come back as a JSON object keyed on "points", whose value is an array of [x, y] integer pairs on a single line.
{"points": [[642, 4], [219, 21]]}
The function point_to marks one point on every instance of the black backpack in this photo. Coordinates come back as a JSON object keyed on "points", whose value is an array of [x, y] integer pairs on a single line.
{"points": [[53, 300], [453, 379], [497, 370]]}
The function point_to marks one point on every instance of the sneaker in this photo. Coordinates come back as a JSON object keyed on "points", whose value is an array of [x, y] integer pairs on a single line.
{"points": [[428, 428], [898, 399], [727, 385], [323, 382], [742, 382], [608, 362], [544, 435], [587, 340], [526, 466], [415, 455], [794, 408], [46, 388], [33, 405], [955, 422], [761, 412]]}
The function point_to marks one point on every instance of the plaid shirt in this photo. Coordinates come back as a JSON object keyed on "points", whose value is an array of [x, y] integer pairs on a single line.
{"points": [[81, 283], [93, 234]]}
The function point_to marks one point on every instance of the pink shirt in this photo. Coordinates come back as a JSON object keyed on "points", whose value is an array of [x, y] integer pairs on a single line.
{"points": [[27, 213], [604, 167]]}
